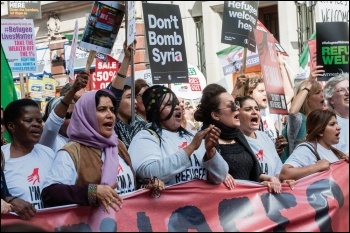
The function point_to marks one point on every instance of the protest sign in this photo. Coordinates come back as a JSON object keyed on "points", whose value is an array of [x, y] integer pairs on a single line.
{"points": [[318, 203], [49, 84], [73, 50], [333, 11], [102, 26], [24, 9], [18, 43], [271, 72], [104, 73], [166, 43], [332, 45], [131, 22], [239, 20]]}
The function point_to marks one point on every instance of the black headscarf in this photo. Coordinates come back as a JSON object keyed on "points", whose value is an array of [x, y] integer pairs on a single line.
{"points": [[228, 133]]}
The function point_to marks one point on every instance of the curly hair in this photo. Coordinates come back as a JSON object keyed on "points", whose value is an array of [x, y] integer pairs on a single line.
{"points": [[209, 102]]}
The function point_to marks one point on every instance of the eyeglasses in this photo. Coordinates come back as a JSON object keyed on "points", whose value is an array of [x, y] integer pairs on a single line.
{"points": [[342, 90], [234, 105], [69, 115]]}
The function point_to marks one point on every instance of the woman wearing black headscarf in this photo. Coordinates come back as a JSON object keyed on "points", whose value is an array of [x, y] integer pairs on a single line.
{"points": [[218, 107]]}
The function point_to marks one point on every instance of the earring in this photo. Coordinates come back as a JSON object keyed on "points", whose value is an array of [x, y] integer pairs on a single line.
{"points": [[321, 134]]}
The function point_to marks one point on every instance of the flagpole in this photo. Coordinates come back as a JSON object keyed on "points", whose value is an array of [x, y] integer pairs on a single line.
{"points": [[21, 81], [244, 61]]}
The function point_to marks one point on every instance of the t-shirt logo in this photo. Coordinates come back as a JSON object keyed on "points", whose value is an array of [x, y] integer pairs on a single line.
{"points": [[120, 169], [34, 177], [260, 155], [184, 144]]}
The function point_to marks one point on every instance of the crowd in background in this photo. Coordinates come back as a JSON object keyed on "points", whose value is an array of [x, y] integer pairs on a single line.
{"points": [[86, 149]]}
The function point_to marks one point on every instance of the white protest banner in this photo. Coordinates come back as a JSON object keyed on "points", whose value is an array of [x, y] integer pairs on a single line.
{"points": [[73, 51], [18, 42], [131, 22]]}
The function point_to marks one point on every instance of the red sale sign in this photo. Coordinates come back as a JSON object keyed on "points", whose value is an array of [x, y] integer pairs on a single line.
{"points": [[104, 73]]}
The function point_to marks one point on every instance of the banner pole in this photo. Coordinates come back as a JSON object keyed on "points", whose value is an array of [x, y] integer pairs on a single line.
{"points": [[89, 61], [21, 81], [244, 60]]}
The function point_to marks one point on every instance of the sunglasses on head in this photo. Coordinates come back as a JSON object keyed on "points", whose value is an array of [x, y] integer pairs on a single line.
{"points": [[69, 115], [233, 105]]}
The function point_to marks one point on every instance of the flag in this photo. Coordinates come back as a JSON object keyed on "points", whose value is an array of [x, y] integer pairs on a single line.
{"points": [[304, 60], [231, 59], [8, 90]]}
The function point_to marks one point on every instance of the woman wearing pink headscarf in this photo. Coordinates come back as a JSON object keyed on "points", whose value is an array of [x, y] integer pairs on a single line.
{"points": [[85, 170]]}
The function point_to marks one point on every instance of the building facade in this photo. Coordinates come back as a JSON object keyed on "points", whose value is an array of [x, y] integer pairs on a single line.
{"points": [[202, 22]]}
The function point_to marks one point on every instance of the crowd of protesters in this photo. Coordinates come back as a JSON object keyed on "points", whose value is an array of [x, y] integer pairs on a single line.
{"points": [[86, 150]]}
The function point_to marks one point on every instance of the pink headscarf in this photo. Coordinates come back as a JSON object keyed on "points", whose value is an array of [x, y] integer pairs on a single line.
{"points": [[83, 128]]}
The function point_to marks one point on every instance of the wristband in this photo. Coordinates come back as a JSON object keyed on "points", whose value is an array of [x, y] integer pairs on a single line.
{"points": [[121, 75], [92, 189], [306, 89], [65, 104]]}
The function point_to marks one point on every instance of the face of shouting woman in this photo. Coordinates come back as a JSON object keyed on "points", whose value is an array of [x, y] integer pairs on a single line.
{"points": [[105, 116], [249, 115], [228, 111], [174, 122]]}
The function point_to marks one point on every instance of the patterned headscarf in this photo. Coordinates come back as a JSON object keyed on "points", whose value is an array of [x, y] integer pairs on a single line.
{"points": [[152, 99], [83, 128]]}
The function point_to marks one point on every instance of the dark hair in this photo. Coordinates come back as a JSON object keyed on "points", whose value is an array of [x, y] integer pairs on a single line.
{"points": [[139, 84], [152, 99], [251, 83], [242, 99], [316, 124], [106, 93], [13, 111], [209, 102]]}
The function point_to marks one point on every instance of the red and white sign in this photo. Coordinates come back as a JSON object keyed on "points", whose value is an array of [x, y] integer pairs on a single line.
{"points": [[104, 73]]}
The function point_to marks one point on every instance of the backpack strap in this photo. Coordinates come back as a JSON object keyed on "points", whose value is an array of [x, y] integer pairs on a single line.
{"points": [[312, 149]]}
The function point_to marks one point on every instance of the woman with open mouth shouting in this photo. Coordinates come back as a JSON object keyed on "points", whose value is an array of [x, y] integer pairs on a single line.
{"points": [[168, 151], [218, 107]]}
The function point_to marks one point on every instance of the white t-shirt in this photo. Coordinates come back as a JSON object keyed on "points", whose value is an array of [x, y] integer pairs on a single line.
{"points": [[302, 156], [170, 163], [343, 144], [268, 120], [25, 176], [265, 152], [63, 172]]}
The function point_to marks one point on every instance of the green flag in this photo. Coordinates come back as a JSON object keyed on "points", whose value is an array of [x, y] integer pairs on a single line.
{"points": [[8, 91], [305, 55]]}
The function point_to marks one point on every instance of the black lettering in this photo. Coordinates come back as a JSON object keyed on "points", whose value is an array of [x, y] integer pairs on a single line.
{"points": [[177, 177], [143, 222], [273, 204], [317, 193], [130, 181], [196, 161], [122, 182], [232, 209], [188, 217]]}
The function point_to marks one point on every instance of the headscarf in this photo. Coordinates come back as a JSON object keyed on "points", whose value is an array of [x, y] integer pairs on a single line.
{"points": [[228, 133], [83, 128]]}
